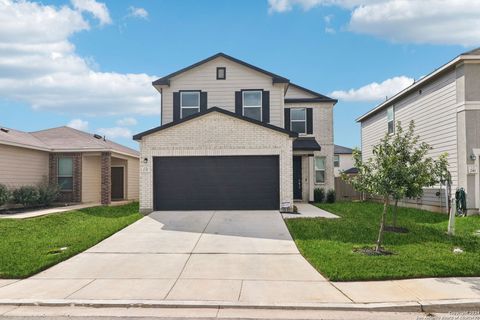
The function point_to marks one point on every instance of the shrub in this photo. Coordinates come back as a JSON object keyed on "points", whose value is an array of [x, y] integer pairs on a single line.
{"points": [[318, 195], [27, 196], [4, 194], [47, 193], [331, 196]]}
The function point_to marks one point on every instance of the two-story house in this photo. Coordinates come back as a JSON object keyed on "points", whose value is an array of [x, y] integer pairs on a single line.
{"points": [[445, 106], [235, 137]]}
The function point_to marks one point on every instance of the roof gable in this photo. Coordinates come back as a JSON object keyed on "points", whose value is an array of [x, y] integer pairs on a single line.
{"points": [[139, 136], [166, 79], [296, 93]]}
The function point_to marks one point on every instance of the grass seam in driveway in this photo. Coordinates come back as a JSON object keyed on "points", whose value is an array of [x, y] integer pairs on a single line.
{"points": [[31, 245], [426, 251]]}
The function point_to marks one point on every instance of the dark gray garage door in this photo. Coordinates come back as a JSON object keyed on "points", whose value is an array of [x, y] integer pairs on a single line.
{"points": [[216, 183]]}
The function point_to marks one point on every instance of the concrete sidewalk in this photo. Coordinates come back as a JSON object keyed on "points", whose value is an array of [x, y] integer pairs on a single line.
{"points": [[43, 212], [220, 259]]}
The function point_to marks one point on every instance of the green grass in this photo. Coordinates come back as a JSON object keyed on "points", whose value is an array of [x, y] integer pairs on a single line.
{"points": [[426, 251], [28, 246]]}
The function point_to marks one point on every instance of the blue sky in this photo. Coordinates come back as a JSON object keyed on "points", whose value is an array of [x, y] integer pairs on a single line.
{"points": [[90, 63]]}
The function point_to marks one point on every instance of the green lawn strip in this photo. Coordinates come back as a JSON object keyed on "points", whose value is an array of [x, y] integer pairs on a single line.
{"points": [[31, 245], [426, 251]]}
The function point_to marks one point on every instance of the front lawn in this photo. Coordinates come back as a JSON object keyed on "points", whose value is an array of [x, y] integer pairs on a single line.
{"points": [[426, 251], [28, 246]]}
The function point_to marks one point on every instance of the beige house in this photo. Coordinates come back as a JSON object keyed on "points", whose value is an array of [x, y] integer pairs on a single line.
{"points": [[342, 160], [234, 136], [87, 167], [445, 106]]}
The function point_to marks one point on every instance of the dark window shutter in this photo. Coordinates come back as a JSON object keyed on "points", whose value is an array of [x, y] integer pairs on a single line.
{"points": [[203, 101], [176, 106], [287, 118], [266, 106], [309, 120], [238, 102]]}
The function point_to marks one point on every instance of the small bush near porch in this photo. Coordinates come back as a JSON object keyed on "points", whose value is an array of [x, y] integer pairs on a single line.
{"points": [[28, 246], [425, 251]]}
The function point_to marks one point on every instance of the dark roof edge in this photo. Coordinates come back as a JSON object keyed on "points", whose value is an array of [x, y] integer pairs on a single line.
{"points": [[166, 79], [306, 144], [214, 109], [307, 100], [318, 95]]}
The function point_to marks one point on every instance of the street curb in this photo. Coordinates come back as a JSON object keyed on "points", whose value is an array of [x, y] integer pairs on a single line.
{"points": [[412, 306]]}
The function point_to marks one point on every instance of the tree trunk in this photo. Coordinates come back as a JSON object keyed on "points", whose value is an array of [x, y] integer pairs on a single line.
{"points": [[395, 214], [386, 201]]}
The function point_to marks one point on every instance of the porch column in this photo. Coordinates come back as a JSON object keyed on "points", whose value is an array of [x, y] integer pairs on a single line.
{"points": [[311, 178], [106, 163]]}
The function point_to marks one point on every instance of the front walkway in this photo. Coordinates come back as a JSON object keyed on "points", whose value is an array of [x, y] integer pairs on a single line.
{"points": [[218, 258], [43, 212], [307, 210]]}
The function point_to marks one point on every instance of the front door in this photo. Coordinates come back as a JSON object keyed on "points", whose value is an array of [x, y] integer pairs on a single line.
{"points": [[117, 179], [297, 178]]}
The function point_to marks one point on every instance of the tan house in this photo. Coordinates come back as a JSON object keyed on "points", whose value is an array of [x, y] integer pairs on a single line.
{"points": [[342, 160], [234, 136], [87, 167], [445, 106]]}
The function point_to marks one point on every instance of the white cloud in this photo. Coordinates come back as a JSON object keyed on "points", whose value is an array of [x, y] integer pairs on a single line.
{"points": [[78, 124], [138, 12], [374, 91], [406, 21], [128, 121], [39, 66], [97, 9], [116, 132]]}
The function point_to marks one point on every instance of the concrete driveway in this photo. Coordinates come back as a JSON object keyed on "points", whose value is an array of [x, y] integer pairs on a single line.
{"points": [[228, 256]]}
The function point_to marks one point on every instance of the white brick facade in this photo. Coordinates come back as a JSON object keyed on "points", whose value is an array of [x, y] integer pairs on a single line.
{"points": [[214, 134]]}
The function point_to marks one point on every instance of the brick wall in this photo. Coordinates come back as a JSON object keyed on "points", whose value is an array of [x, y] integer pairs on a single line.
{"points": [[75, 195], [210, 135], [106, 165]]}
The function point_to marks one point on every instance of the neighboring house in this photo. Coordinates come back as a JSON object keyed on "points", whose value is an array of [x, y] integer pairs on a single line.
{"points": [[234, 136], [445, 106], [342, 159], [87, 167]]}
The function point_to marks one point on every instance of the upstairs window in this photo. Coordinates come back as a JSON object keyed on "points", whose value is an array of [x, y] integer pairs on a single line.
{"points": [[65, 173], [252, 104], [189, 103], [336, 161], [298, 120], [221, 73], [391, 120]]}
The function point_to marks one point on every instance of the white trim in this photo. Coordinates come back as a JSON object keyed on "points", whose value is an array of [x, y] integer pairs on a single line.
{"points": [[26, 146], [476, 152], [124, 180], [189, 107], [418, 83], [393, 120], [305, 120], [260, 106]]}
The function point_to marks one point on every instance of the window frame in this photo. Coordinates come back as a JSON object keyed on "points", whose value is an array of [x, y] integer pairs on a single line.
{"points": [[261, 103], [64, 176], [336, 161], [305, 120], [392, 110], [224, 73], [316, 169], [198, 92]]}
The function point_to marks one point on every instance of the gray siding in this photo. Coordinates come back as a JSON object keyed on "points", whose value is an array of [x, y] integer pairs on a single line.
{"points": [[434, 112]]}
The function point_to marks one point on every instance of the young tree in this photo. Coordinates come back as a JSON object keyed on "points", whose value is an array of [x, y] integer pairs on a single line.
{"points": [[398, 168], [417, 170]]}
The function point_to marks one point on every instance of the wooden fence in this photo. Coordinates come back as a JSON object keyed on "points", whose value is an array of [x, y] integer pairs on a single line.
{"points": [[345, 192]]}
